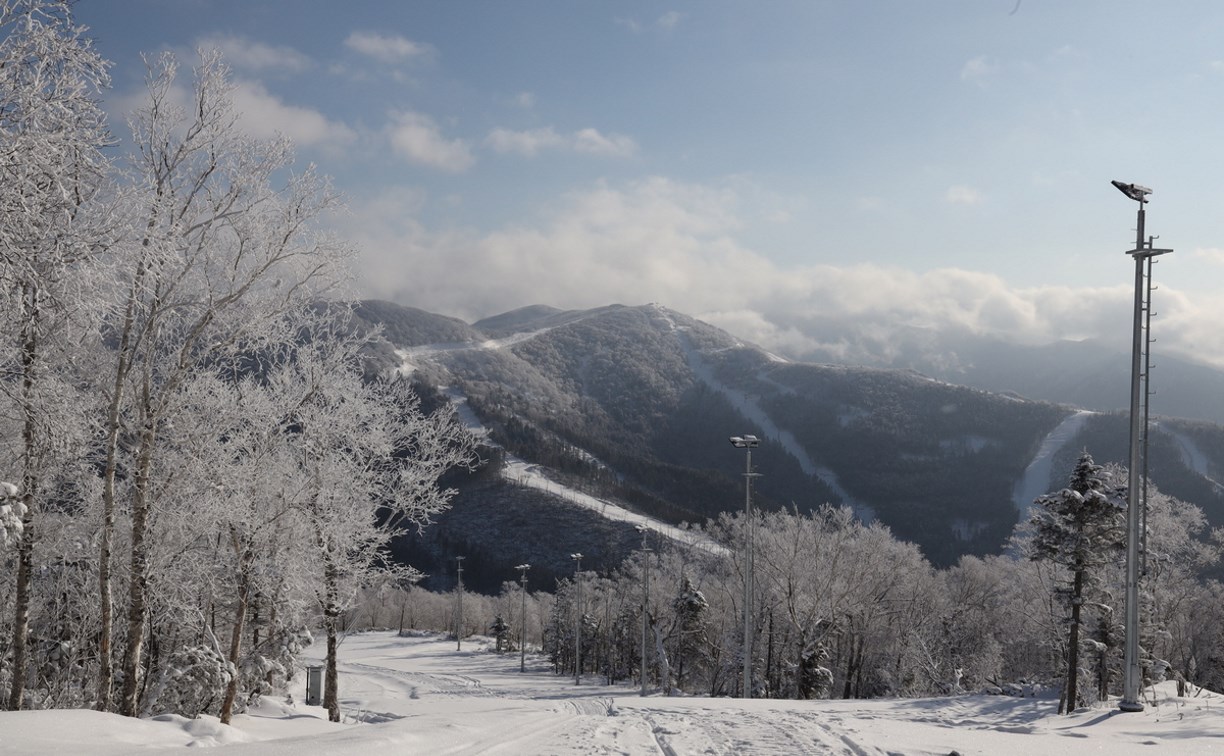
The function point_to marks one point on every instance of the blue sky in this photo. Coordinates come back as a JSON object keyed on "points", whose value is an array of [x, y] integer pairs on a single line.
{"points": [[783, 169]]}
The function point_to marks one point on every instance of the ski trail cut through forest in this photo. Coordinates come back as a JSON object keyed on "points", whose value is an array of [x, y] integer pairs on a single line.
{"points": [[1036, 479], [1191, 455], [749, 408], [521, 472]]}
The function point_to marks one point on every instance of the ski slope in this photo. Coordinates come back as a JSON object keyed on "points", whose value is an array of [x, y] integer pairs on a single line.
{"points": [[420, 696]]}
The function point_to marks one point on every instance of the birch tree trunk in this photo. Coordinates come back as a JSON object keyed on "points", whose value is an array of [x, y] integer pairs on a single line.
{"points": [[243, 552], [25, 552], [331, 621]]}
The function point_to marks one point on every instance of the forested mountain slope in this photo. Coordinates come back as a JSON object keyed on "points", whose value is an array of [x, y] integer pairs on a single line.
{"points": [[635, 405]]}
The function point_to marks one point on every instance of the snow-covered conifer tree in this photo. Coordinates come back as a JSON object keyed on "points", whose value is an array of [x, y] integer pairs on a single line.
{"points": [[1082, 528]]}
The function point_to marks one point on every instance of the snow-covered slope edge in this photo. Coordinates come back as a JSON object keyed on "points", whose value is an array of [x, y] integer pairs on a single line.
{"points": [[523, 473]]}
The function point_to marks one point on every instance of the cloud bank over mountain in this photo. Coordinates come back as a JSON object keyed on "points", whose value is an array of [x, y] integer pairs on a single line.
{"points": [[680, 244]]}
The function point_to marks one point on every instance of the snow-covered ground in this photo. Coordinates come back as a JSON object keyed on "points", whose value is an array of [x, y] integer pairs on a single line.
{"points": [[422, 696]]}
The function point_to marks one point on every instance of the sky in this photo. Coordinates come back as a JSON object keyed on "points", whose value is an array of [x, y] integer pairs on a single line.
{"points": [[780, 169]]}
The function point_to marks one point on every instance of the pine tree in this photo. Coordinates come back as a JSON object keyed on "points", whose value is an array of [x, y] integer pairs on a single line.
{"points": [[1081, 528], [690, 607]]}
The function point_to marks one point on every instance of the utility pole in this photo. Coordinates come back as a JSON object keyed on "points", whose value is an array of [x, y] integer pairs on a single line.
{"points": [[1142, 254], [522, 568], [645, 602], [577, 557], [747, 443], [459, 601]]}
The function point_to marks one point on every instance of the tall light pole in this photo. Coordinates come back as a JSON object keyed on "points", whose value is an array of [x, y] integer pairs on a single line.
{"points": [[522, 568], [459, 602], [577, 557], [747, 443], [1142, 253], [645, 601]]}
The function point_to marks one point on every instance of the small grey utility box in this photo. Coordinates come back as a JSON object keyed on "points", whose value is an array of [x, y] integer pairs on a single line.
{"points": [[314, 686]]}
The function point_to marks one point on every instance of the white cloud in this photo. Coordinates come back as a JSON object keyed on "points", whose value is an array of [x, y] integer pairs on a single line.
{"points": [[593, 142], [963, 195], [1213, 255], [533, 141], [658, 240], [416, 136], [527, 143], [261, 114], [669, 20], [388, 48], [978, 69], [247, 54], [264, 115], [665, 23]]}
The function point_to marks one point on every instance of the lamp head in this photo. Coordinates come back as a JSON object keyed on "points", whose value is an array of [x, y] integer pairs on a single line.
{"points": [[745, 442], [1134, 191]]}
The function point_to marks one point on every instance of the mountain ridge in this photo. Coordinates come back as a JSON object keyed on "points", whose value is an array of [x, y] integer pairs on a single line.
{"points": [[634, 405]]}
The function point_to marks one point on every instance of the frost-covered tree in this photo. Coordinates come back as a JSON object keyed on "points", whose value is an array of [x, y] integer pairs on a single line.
{"points": [[689, 608], [52, 168], [223, 252], [1178, 549], [12, 510], [365, 461], [1081, 528]]}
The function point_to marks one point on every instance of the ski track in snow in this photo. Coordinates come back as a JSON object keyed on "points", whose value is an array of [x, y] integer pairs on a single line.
{"points": [[1036, 479]]}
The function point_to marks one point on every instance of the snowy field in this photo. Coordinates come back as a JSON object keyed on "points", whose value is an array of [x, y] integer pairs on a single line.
{"points": [[421, 696]]}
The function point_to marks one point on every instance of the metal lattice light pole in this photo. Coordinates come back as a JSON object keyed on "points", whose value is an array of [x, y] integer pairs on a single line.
{"points": [[645, 601], [522, 568], [577, 557], [1143, 254], [459, 603], [747, 443]]}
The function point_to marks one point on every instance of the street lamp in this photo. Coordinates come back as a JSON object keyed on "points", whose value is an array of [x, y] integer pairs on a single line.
{"points": [[645, 600], [459, 601], [577, 557], [747, 443], [1143, 254], [522, 568]]}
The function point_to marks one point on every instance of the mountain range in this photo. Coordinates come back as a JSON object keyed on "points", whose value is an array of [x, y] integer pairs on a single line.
{"points": [[1091, 374], [595, 421]]}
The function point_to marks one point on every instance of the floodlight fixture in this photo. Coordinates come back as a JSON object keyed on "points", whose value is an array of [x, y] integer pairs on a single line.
{"points": [[1134, 191], [745, 442]]}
